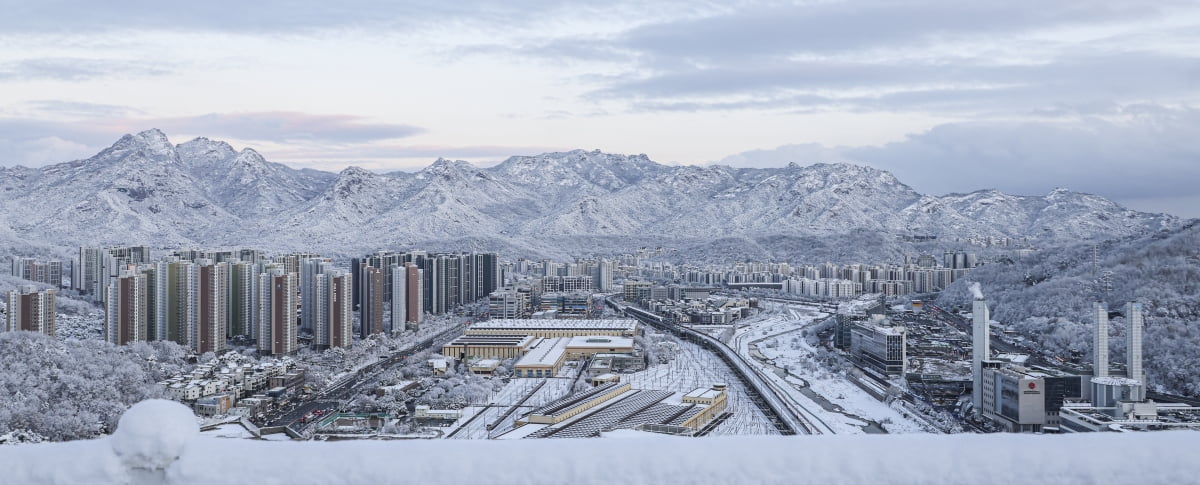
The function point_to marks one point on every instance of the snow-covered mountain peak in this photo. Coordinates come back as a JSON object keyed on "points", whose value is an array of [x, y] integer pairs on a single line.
{"points": [[250, 157], [193, 193], [580, 168], [353, 172], [153, 139], [447, 169], [202, 155]]}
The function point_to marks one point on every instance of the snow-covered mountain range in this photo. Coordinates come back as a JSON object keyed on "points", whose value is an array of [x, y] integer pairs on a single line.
{"points": [[146, 190]]}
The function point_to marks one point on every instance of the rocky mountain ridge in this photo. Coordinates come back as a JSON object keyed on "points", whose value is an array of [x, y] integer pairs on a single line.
{"points": [[143, 189]]}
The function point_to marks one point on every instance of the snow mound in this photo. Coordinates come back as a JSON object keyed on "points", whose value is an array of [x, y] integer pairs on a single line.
{"points": [[153, 433]]}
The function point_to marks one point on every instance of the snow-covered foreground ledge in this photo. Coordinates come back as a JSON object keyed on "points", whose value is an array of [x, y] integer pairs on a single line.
{"points": [[157, 442]]}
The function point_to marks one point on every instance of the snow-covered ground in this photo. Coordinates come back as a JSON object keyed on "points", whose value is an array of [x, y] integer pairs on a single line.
{"points": [[694, 367], [163, 448], [510, 394], [776, 333]]}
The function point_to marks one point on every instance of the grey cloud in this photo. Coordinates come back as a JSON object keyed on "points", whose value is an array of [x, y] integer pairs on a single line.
{"points": [[264, 16], [831, 27], [971, 87], [480, 155], [76, 69], [805, 153], [1140, 152], [285, 126], [80, 108], [24, 139]]}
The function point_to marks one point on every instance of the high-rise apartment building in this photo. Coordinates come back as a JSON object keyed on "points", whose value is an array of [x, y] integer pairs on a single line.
{"points": [[126, 312], [47, 272], [212, 312], [243, 280], [156, 299], [602, 276], [334, 322], [31, 310], [341, 310], [278, 292], [182, 303], [398, 295], [91, 271], [309, 269], [415, 305], [371, 306]]}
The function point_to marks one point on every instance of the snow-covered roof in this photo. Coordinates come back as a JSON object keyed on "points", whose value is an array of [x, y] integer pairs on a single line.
{"points": [[600, 342], [703, 393], [515, 340], [485, 364], [626, 324], [547, 354], [1116, 381]]}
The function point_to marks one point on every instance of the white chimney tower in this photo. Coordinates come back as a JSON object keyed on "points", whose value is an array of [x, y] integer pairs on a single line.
{"points": [[1133, 315], [981, 341]]}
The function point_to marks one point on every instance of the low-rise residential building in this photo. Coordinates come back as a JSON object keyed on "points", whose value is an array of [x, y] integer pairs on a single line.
{"points": [[214, 405]]}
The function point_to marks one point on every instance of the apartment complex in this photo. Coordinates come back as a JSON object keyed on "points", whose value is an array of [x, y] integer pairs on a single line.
{"points": [[31, 310], [45, 272]]}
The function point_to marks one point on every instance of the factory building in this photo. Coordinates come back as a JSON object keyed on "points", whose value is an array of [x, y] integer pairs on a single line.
{"points": [[544, 358], [488, 346], [589, 345]]}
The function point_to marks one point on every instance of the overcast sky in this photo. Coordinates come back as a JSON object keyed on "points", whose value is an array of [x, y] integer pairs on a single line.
{"points": [[951, 96]]}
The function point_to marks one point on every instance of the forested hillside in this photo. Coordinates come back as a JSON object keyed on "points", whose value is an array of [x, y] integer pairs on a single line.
{"points": [[1048, 298]]}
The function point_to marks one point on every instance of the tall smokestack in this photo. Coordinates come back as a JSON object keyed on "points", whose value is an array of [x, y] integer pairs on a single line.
{"points": [[1133, 315], [1100, 341], [981, 340]]}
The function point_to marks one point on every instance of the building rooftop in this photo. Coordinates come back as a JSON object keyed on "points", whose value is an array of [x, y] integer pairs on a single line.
{"points": [[627, 324], [703, 393], [547, 353], [515, 340], [599, 341], [1116, 381]]}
